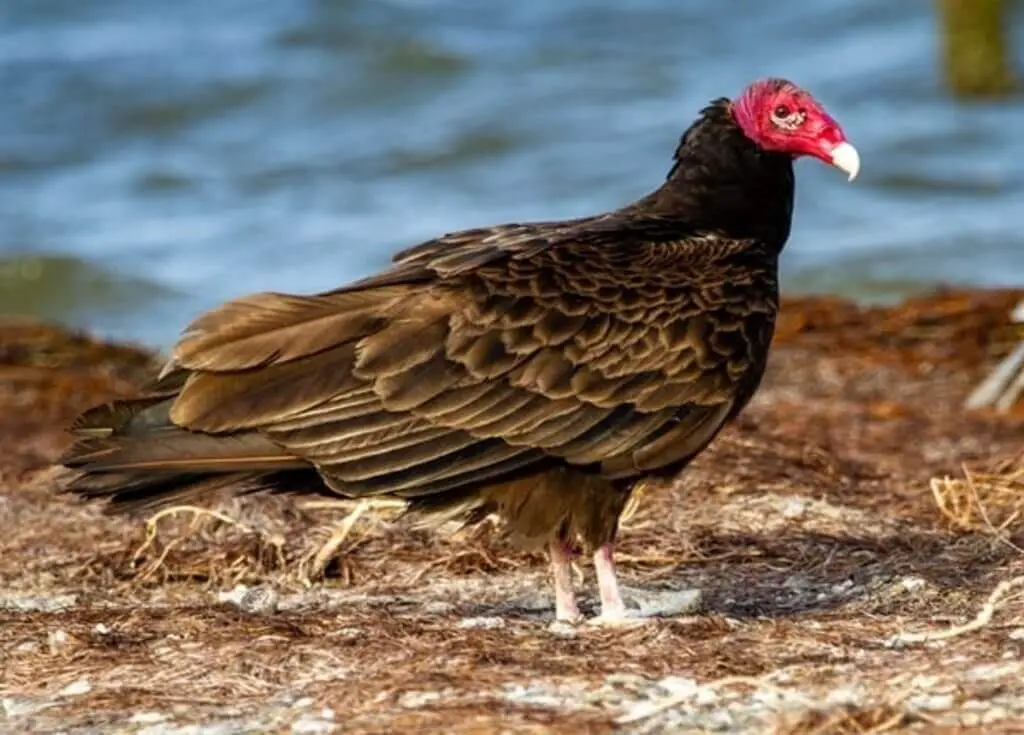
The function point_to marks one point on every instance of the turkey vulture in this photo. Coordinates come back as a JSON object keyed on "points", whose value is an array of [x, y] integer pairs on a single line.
{"points": [[534, 370]]}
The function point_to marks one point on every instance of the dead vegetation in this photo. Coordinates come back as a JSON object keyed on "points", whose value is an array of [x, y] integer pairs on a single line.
{"points": [[991, 500], [857, 539]]}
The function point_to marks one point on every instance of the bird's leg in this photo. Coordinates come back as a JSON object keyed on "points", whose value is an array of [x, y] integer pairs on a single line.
{"points": [[612, 607], [565, 596]]}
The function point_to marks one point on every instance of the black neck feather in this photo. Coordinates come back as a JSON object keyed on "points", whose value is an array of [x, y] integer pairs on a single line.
{"points": [[723, 182]]}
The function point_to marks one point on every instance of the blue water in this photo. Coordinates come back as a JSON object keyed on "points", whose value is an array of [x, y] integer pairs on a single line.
{"points": [[157, 158]]}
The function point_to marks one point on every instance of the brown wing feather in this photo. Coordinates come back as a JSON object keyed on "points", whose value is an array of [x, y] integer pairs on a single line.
{"points": [[636, 409], [271, 328], [485, 353]]}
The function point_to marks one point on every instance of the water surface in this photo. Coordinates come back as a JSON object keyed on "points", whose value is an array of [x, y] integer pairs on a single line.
{"points": [[158, 158]]}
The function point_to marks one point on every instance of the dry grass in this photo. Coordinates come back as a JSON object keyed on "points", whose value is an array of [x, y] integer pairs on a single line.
{"points": [[993, 500], [856, 538]]}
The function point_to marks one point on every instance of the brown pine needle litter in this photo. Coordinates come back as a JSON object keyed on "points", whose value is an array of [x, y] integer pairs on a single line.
{"points": [[992, 500], [856, 540], [999, 597]]}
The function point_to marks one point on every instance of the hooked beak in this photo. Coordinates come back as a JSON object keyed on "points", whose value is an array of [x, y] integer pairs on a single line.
{"points": [[845, 157]]}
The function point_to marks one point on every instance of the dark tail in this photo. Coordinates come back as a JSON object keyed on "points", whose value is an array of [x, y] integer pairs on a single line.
{"points": [[130, 452]]}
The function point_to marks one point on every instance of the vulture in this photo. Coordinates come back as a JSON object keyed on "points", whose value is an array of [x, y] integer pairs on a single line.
{"points": [[536, 371]]}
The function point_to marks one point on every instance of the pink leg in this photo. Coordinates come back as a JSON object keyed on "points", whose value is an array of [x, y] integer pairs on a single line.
{"points": [[565, 597], [612, 607]]}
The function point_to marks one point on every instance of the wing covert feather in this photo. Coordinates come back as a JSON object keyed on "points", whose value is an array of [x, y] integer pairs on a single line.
{"points": [[482, 353]]}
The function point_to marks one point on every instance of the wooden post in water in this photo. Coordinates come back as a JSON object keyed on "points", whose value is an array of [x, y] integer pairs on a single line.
{"points": [[976, 47]]}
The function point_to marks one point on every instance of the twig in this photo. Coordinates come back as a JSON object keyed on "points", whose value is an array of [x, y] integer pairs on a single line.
{"points": [[347, 503], [1005, 384], [996, 532], [983, 618], [338, 538], [945, 499], [956, 499], [895, 719], [1013, 392], [655, 708], [153, 521]]}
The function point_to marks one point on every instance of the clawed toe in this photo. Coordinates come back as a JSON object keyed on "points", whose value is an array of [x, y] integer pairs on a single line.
{"points": [[620, 619], [574, 618]]}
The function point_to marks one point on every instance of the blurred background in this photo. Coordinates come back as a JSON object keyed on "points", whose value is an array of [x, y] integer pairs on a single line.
{"points": [[157, 158]]}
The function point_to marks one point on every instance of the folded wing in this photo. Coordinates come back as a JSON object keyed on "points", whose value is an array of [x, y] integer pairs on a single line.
{"points": [[479, 356]]}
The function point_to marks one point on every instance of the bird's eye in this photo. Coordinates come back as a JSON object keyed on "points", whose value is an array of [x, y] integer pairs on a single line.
{"points": [[786, 118]]}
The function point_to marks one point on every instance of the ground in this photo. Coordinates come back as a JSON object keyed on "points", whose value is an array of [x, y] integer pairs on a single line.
{"points": [[856, 540]]}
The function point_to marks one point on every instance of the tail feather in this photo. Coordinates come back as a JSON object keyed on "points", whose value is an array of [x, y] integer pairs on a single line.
{"points": [[179, 450], [110, 418], [133, 414], [127, 491], [130, 492], [130, 452]]}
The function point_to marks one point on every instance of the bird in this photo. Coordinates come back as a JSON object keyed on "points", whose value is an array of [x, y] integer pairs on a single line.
{"points": [[533, 371]]}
